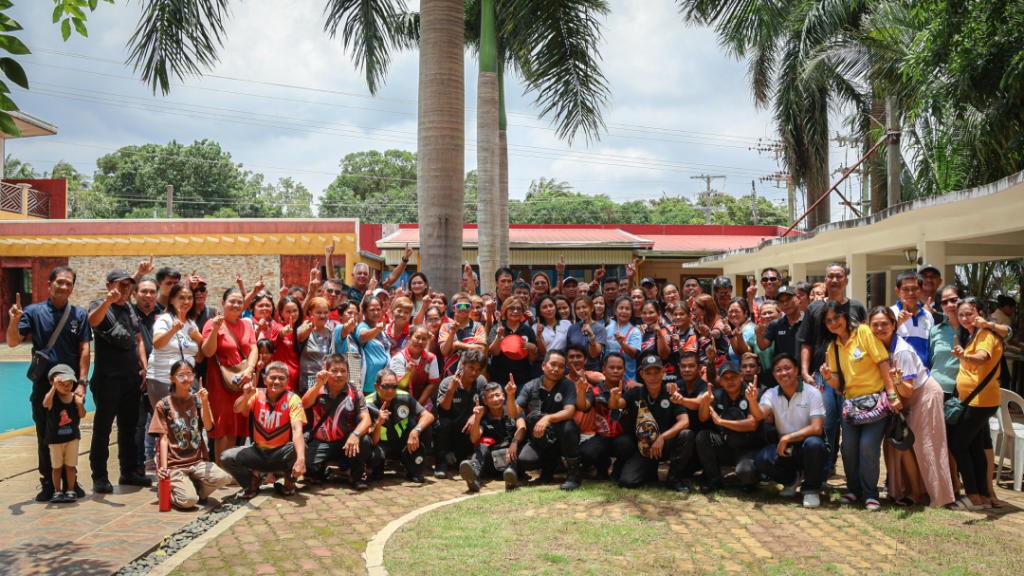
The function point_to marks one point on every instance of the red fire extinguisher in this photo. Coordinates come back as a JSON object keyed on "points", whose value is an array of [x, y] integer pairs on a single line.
{"points": [[163, 487]]}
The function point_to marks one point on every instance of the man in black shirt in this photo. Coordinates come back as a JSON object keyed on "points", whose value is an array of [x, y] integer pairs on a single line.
{"points": [[549, 403], [655, 437], [733, 437], [781, 331], [456, 397], [812, 352], [393, 434], [498, 440], [146, 312], [117, 381]]}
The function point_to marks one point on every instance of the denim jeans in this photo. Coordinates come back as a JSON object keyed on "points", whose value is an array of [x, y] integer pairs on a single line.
{"points": [[862, 453], [833, 413], [809, 456]]}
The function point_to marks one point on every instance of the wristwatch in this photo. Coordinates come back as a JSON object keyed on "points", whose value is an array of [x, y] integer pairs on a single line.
{"points": [[418, 430], [83, 382]]}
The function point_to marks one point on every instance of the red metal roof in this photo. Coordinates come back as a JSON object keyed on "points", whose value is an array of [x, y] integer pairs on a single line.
{"points": [[694, 243], [539, 236]]}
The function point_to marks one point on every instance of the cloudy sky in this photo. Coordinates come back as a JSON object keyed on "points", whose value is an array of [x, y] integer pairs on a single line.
{"points": [[286, 100]]}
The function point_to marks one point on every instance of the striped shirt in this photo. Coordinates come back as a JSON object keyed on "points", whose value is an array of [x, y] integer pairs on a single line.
{"points": [[916, 330]]}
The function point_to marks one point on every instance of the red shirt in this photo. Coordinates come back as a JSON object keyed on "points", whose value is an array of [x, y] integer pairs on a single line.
{"points": [[284, 351]]}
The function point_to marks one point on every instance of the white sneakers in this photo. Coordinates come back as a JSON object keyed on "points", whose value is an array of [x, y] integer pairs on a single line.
{"points": [[791, 490], [811, 501]]}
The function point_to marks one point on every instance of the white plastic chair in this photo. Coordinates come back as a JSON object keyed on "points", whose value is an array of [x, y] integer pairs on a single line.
{"points": [[1011, 432]]}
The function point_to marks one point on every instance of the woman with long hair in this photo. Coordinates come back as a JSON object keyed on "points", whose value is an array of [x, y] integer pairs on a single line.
{"points": [[636, 294], [623, 335], [550, 329], [262, 314], [564, 308], [540, 286], [419, 286], [710, 326], [588, 332], [924, 467], [374, 347], [739, 328], [233, 342], [601, 312], [857, 364], [284, 335], [175, 337]]}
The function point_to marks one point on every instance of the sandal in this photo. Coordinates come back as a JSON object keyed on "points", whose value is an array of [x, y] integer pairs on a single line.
{"points": [[283, 490], [964, 504], [360, 485], [251, 491], [872, 505], [995, 502], [904, 502], [848, 498]]}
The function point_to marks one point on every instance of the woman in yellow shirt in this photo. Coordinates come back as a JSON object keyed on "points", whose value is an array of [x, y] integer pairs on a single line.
{"points": [[979, 351], [864, 361]]}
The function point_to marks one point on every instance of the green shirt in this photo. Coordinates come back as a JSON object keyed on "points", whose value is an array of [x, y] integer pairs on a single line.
{"points": [[945, 366]]}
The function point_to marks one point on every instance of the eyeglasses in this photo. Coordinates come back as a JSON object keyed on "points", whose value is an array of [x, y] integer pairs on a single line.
{"points": [[332, 291], [185, 377], [389, 386], [832, 320], [462, 306], [770, 279], [949, 301], [515, 309], [433, 319]]}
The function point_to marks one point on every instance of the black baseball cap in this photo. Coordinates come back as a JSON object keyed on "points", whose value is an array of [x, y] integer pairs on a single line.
{"points": [[648, 281], [729, 366], [568, 279], [929, 267], [118, 274], [787, 291], [652, 361]]}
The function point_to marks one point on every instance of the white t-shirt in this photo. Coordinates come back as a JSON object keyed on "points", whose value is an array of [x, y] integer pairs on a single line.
{"points": [[906, 359], [794, 413], [553, 339], [161, 359]]}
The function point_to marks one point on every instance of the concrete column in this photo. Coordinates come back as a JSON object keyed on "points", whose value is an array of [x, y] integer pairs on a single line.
{"points": [[797, 272], [857, 289], [24, 199], [933, 253], [890, 287], [757, 282]]}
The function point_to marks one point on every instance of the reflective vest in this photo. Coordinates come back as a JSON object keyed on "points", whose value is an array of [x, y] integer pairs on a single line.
{"points": [[270, 426]]}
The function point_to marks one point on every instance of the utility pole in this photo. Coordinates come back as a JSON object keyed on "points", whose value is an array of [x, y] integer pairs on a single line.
{"points": [[753, 194], [708, 208], [892, 152], [170, 199], [779, 178]]}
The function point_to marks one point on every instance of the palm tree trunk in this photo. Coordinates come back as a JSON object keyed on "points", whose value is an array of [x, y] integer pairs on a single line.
{"points": [[878, 201], [441, 127], [503, 218], [488, 221]]}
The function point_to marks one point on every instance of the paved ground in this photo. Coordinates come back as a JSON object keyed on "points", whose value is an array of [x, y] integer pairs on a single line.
{"points": [[97, 535], [20, 353]]}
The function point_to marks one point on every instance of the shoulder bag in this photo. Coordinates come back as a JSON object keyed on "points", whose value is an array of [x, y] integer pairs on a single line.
{"points": [[40, 364], [862, 409], [117, 335], [228, 374]]}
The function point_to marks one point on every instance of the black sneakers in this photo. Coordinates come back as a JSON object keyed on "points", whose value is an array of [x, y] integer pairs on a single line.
{"points": [[46, 493], [102, 486], [469, 474], [573, 474], [441, 469], [134, 480]]}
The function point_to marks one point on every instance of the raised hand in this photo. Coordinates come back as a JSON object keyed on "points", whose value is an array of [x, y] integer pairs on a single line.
{"points": [[287, 330], [249, 389], [620, 338], [500, 332], [560, 266], [259, 285], [752, 288], [702, 329], [614, 395], [600, 274], [373, 283], [146, 267], [510, 388], [631, 269], [16, 311], [581, 384], [896, 374], [751, 391], [408, 251], [283, 291], [240, 282], [709, 395], [826, 371], [261, 327], [903, 317], [478, 410], [491, 306], [113, 295], [762, 326], [384, 413], [203, 394], [929, 305], [193, 280], [322, 377], [314, 280], [328, 251]]}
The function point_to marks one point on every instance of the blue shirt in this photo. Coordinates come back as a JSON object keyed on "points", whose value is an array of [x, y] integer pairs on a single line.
{"points": [[576, 336], [375, 355], [40, 320], [916, 331], [633, 338]]}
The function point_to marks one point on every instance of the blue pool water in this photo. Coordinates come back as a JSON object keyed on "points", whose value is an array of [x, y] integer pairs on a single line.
{"points": [[15, 411]]}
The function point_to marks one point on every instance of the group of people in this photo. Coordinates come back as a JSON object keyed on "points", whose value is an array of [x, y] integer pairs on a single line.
{"points": [[608, 378]]}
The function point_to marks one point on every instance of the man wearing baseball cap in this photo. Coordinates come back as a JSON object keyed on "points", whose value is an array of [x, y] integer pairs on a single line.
{"points": [[734, 437], [570, 288], [116, 381], [722, 287], [650, 288], [652, 425], [931, 282]]}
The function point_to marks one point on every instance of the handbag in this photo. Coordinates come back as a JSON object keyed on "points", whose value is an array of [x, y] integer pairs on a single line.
{"points": [[954, 408], [117, 335], [862, 409], [40, 364], [229, 373], [647, 430]]}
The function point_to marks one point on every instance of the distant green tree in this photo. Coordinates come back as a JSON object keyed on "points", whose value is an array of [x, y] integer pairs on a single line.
{"points": [[15, 169], [372, 172]]}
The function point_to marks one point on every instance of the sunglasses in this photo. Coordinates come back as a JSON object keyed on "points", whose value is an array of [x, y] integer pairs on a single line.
{"points": [[724, 292], [462, 306], [389, 386], [333, 292], [515, 309], [770, 279], [200, 289], [948, 301]]}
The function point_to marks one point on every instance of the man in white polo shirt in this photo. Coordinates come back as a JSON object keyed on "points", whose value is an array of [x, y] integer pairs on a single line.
{"points": [[798, 413], [913, 322]]}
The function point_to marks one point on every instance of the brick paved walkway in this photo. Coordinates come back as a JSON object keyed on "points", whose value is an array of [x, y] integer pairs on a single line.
{"points": [[95, 536]]}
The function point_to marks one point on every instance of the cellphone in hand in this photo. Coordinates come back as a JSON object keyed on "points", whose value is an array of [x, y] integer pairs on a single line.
{"points": [[788, 451]]}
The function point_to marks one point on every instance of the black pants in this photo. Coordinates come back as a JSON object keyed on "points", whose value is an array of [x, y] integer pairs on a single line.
{"points": [[449, 437], [714, 452], [242, 461], [39, 390], [397, 450], [115, 398], [567, 445], [483, 462], [319, 453], [638, 468], [967, 444], [596, 451]]}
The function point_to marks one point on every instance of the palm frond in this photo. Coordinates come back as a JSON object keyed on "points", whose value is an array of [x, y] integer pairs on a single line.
{"points": [[368, 30], [177, 38]]}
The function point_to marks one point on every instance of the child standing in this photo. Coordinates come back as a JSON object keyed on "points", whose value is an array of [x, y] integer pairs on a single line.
{"points": [[65, 411]]}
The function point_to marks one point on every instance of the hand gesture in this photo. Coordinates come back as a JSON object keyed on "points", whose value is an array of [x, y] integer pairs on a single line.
{"points": [[581, 384], [287, 330], [328, 251], [261, 327], [260, 285], [762, 327], [708, 396], [825, 371], [260, 365], [146, 267], [322, 377], [958, 351], [727, 330], [203, 394], [491, 307], [217, 321], [631, 269], [752, 289], [193, 280], [600, 274], [16, 311], [702, 329], [380, 325], [980, 322], [677, 341], [384, 413], [896, 374], [500, 332], [560, 266], [751, 391], [614, 395], [929, 305], [249, 389], [373, 283], [528, 315], [314, 280], [478, 410], [178, 324], [306, 325], [283, 291], [240, 282], [408, 251], [510, 388], [620, 338], [113, 295], [902, 318]]}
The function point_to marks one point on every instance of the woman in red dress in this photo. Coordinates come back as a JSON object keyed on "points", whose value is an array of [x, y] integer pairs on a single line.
{"points": [[219, 339]]}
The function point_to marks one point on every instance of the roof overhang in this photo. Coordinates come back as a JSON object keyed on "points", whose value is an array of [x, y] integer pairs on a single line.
{"points": [[29, 125]]}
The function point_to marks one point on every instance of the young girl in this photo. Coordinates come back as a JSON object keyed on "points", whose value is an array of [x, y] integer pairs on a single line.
{"points": [[564, 308], [266, 356], [285, 344], [600, 310]]}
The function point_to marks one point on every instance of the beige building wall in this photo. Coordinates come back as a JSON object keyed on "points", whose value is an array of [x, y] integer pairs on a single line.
{"points": [[220, 272]]}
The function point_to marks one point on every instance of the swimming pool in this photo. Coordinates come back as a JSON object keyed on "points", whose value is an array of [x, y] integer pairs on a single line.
{"points": [[15, 412]]}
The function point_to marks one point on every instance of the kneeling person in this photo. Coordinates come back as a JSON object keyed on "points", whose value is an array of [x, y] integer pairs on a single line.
{"points": [[455, 399], [178, 423], [734, 437], [391, 409], [798, 413], [276, 418], [341, 423], [656, 434], [498, 439], [549, 403]]}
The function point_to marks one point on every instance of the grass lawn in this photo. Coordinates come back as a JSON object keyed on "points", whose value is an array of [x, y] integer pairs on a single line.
{"points": [[602, 530]]}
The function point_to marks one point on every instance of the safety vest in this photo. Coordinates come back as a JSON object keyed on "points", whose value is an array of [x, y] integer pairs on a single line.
{"points": [[270, 425]]}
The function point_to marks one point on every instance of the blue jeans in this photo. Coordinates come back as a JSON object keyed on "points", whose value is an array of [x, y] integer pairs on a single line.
{"points": [[809, 456], [833, 412], [862, 452]]}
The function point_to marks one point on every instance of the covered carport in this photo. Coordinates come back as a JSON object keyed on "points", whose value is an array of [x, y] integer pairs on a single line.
{"points": [[981, 224]]}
